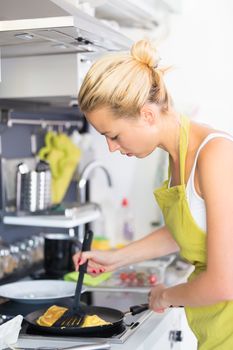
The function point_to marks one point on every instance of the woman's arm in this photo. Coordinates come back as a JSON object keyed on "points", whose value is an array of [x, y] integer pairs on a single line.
{"points": [[156, 244], [215, 175]]}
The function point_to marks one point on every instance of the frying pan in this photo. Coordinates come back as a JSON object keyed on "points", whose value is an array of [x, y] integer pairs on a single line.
{"points": [[114, 316]]}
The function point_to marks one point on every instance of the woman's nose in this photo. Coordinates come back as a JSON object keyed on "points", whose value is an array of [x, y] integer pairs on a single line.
{"points": [[112, 145]]}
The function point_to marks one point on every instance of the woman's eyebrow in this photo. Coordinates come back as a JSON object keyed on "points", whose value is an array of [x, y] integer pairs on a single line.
{"points": [[105, 132]]}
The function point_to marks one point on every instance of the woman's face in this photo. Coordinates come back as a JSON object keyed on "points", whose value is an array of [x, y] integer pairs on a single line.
{"points": [[130, 136]]}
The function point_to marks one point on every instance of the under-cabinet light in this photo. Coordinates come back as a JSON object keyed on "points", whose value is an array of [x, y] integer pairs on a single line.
{"points": [[60, 46], [24, 36]]}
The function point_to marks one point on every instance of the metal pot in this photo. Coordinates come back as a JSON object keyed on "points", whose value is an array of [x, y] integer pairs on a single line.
{"points": [[33, 188]]}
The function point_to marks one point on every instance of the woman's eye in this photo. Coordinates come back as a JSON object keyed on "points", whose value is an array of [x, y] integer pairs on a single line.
{"points": [[114, 138]]}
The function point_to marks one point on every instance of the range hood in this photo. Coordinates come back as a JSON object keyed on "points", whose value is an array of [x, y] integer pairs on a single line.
{"points": [[74, 33]]}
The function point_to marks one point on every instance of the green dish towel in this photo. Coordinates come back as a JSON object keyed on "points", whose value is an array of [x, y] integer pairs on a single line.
{"points": [[88, 279]]}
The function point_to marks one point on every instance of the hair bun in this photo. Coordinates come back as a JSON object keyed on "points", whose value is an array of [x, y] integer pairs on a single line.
{"points": [[144, 52]]}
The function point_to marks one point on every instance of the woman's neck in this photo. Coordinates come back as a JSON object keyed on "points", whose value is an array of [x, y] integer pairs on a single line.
{"points": [[170, 129]]}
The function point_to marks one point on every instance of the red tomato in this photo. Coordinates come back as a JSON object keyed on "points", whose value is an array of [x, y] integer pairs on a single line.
{"points": [[140, 278], [123, 276], [132, 276], [152, 279]]}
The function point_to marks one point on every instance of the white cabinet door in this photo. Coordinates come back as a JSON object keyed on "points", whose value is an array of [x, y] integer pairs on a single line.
{"points": [[165, 343], [170, 338], [189, 340]]}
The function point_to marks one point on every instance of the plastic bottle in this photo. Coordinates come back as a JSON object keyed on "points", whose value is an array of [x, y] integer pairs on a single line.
{"points": [[127, 222]]}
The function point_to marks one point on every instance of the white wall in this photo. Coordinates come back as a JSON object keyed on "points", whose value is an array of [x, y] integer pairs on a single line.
{"points": [[200, 47]]}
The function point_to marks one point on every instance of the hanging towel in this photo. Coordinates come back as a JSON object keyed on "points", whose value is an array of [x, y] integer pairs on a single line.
{"points": [[63, 157]]}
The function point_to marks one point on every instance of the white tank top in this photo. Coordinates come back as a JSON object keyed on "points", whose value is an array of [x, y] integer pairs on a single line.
{"points": [[196, 203]]}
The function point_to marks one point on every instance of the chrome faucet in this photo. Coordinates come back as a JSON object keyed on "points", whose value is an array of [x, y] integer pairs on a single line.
{"points": [[81, 187], [84, 176]]}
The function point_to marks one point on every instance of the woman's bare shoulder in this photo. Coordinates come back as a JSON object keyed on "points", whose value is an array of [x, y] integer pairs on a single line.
{"points": [[215, 158], [215, 161], [220, 141]]}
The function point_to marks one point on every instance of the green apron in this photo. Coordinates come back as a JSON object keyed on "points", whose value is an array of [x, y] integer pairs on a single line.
{"points": [[212, 325]]}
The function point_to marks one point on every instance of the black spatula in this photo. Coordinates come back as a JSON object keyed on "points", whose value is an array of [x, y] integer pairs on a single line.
{"points": [[74, 317]]}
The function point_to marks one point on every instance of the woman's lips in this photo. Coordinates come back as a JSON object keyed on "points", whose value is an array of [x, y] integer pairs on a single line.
{"points": [[127, 154]]}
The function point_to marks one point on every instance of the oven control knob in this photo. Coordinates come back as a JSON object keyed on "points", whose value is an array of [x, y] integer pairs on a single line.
{"points": [[175, 336]]}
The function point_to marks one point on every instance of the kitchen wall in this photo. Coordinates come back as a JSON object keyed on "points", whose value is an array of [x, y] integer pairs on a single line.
{"points": [[200, 47], [15, 143]]}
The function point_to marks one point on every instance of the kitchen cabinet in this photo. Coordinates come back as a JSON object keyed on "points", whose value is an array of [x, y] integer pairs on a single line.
{"points": [[172, 337], [178, 336]]}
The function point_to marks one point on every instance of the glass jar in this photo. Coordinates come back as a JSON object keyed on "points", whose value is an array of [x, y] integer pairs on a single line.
{"points": [[1, 266], [24, 254], [8, 263], [15, 253], [38, 248]]}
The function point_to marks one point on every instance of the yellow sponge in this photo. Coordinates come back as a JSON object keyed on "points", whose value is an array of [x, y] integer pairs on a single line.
{"points": [[88, 279]]}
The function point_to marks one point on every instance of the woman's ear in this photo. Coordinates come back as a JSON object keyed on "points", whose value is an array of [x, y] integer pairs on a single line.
{"points": [[149, 113]]}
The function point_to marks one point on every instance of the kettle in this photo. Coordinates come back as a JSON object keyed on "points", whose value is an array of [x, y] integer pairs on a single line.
{"points": [[33, 188]]}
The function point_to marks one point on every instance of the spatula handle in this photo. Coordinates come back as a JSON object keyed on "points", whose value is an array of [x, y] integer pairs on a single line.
{"points": [[82, 269], [85, 247]]}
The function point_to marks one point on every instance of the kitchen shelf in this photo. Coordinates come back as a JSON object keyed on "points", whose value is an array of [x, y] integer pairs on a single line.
{"points": [[61, 221]]}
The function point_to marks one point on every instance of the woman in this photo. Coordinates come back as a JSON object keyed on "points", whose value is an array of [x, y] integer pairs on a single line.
{"points": [[125, 99]]}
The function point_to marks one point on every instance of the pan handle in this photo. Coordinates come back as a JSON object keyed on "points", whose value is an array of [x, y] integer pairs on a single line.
{"points": [[137, 309]]}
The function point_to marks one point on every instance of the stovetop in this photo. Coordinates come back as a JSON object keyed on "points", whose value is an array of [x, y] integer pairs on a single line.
{"points": [[119, 300]]}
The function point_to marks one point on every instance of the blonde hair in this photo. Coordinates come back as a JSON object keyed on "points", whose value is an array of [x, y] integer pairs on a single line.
{"points": [[124, 82]]}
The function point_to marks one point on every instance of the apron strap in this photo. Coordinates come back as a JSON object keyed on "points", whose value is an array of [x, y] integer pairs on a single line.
{"points": [[184, 137]]}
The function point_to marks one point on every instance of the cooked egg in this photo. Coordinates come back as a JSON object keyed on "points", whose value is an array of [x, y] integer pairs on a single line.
{"points": [[51, 316], [94, 321], [55, 312]]}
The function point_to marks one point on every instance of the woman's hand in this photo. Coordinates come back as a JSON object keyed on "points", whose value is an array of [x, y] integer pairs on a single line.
{"points": [[98, 261], [155, 298]]}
